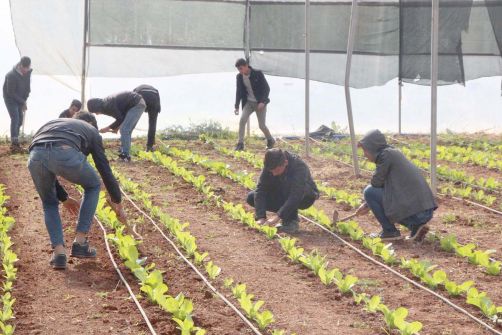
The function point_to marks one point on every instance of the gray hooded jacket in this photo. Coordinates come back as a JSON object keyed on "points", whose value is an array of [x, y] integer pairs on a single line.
{"points": [[406, 191]]}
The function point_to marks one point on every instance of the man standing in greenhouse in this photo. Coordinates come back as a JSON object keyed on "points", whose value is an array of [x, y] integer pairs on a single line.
{"points": [[252, 90], [127, 108], [152, 100], [398, 191], [60, 148], [16, 89], [285, 185]]}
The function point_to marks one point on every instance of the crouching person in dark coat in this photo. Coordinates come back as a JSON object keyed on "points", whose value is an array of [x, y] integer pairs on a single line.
{"points": [[398, 192], [285, 185]]}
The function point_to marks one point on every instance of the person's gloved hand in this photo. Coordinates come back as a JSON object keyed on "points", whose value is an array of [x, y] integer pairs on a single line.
{"points": [[273, 220], [71, 205], [261, 221]]}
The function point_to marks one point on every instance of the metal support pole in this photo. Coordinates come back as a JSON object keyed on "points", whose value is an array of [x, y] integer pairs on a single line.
{"points": [[307, 77], [350, 48], [84, 52], [400, 83], [434, 78], [247, 51]]}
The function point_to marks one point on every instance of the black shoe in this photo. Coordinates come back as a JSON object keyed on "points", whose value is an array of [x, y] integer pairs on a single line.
{"points": [[388, 235], [58, 262], [239, 146], [288, 227], [16, 149], [270, 143], [418, 233], [124, 158], [82, 250]]}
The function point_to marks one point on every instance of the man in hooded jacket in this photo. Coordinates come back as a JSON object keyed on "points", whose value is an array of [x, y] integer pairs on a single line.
{"points": [[398, 192], [16, 89]]}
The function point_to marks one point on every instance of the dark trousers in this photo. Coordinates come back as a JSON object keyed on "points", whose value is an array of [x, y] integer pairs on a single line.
{"points": [[16, 120], [152, 128], [276, 200]]}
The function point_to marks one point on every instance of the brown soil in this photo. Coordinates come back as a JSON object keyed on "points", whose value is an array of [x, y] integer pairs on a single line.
{"points": [[87, 298], [424, 307]]}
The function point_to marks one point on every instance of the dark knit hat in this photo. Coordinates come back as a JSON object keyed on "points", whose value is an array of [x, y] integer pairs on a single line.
{"points": [[95, 105]]}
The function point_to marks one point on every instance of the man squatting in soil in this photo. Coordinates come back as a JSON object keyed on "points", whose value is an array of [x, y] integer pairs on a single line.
{"points": [[398, 191], [59, 148], [285, 185]]}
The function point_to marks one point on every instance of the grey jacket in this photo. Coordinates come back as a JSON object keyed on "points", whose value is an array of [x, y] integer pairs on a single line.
{"points": [[406, 191], [16, 87]]}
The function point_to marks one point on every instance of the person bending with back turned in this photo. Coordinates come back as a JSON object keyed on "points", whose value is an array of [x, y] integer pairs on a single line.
{"points": [[60, 148]]}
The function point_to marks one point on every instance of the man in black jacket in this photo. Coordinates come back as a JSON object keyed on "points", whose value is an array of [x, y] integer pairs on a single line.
{"points": [[75, 107], [60, 148], [152, 99], [127, 108], [16, 89], [253, 91], [285, 185]]}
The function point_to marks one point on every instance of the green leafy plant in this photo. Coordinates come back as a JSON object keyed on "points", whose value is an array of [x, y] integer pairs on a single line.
{"points": [[457, 290], [212, 270], [346, 283], [270, 232]]}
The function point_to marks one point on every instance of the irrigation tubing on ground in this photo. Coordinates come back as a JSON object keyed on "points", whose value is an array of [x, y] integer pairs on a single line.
{"points": [[124, 281], [388, 268], [443, 195], [451, 179], [204, 279], [396, 273]]}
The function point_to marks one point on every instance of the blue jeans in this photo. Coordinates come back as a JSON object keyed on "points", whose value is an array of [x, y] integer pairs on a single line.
{"points": [[54, 159], [16, 120], [374, 198], [131, 119]]}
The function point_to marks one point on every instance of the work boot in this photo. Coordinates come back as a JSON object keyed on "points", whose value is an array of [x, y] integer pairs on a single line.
{"points": [[270, 143], [388, 235], [82, 250], [58, 261], [288, 227], [15, 148], [418, 233], [239, 146], [124, 158]]}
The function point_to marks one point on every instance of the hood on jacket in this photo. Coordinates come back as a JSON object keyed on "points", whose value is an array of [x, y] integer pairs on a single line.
{"points": [[374, 142], [95, 105]]}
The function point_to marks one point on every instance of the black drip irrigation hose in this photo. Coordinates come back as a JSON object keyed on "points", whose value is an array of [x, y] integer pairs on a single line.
{"points": [[396, 273], [204, 279]]}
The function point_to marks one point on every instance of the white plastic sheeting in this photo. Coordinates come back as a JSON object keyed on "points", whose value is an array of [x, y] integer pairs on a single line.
{"points": [[145, 38]]}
